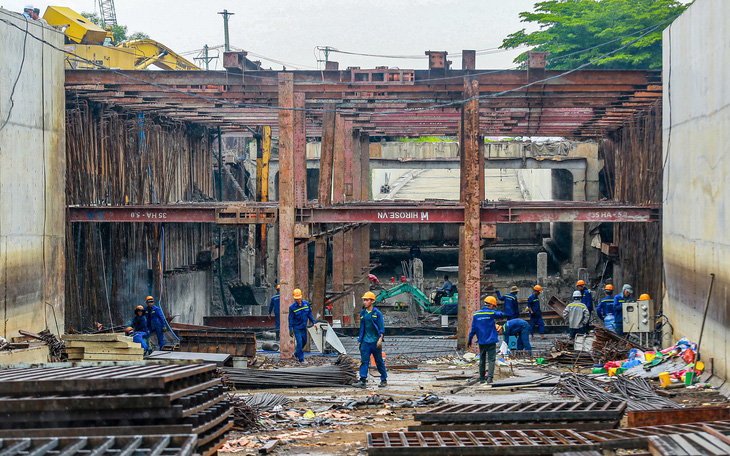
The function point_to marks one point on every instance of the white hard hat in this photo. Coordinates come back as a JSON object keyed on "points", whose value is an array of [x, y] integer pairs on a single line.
{"points": [[576, 294], [28, 7]]}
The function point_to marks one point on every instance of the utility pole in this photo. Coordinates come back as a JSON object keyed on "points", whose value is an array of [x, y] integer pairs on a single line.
{"points": [[326, 50], [225, 15], [205, 58]]}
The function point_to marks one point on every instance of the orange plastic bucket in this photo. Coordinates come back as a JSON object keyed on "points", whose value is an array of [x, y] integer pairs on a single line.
{"points": [[665, 379]]}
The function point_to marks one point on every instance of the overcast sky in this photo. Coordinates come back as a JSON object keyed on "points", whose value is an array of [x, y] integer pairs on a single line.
{"points": [[289, 30]]}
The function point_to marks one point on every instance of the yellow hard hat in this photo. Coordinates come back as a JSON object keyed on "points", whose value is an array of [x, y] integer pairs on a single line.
{"points": [[491, 300], [150, 298], [644, 297], [297, 293], [500, 328], [277, 287], [537, 288], [580, 282], [369, 295], [609, 287]]}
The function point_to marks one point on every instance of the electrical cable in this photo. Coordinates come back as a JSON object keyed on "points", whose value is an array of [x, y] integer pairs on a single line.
{"points": [[20, 71]]}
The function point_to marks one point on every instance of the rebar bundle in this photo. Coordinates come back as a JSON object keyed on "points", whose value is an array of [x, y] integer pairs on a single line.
{"points": [[245, 417], [637, 392], [343, 372], [265, 402], [609, 346]]}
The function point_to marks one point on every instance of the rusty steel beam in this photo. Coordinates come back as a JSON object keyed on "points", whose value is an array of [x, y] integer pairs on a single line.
{"points": [[286, 209], [348, 257], [324, 198], [301, 251], [374, 212], [469, 241], [365, 196], [338, 197]]}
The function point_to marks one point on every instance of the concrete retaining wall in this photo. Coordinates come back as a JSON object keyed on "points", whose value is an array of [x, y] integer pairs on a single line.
{"points": [[189, 296], [696, 137], [32, 178]]}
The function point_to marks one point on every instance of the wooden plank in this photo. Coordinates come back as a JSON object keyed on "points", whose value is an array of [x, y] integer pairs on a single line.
{"points": [[268, 446], [110, 357], [111, 344], [97, 337]]}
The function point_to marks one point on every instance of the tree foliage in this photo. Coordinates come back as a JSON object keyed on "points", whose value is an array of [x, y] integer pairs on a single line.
{"points": [[576, 32], [120, 32]]}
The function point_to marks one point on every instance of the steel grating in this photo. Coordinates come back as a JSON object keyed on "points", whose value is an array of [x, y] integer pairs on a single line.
{"points": [[701, 443], [138, 445], [527, 441], [527, 411]]}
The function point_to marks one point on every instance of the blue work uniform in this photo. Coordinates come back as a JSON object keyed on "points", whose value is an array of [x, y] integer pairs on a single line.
{"points": [[139, 338], [511, 306], [618, 313], [139, 324], [298, 318], [274, 306], [156, 323], [605, 306], [519, 328], [587, 299], [372, 327], [536, 320], [483, 326]]}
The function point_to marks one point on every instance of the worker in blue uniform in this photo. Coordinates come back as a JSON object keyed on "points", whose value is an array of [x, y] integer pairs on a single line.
{"points": [[533, 307], [586, 297], [274, 307], [372, 332], [299, 315], [511, 306], [484, 327], [138, 337], [156, 321], [605, 305], [139, 322], [618, 307], [518, 328]]}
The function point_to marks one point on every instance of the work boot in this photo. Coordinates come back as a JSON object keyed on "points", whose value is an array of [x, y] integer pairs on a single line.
{"points": [[490, 380], [383, 384], [363, 383], [481, 380]]}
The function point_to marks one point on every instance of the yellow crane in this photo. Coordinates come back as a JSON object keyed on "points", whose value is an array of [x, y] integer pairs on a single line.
{"points": [[86, 42]]}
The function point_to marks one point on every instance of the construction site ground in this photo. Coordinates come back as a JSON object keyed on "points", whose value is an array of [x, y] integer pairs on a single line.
{"points": [[346, 434]]}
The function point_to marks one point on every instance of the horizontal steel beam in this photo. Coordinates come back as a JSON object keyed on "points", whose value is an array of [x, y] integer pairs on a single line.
{"points": [[371, 212], [577, 164]]}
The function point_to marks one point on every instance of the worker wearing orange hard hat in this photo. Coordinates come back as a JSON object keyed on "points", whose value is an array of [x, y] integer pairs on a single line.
{"points": [[533, 306], [299, 315], [586, 297], [483, 326], [155, 321], [372, 332], [137, 337], [605, 305]]}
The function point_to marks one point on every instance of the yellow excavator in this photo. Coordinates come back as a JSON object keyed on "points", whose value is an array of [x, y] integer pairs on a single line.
{"points": [[86, 42]]}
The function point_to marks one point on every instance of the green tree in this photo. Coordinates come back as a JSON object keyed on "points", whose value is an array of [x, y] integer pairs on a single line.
{"points": [[120, 32], [576, 32]]}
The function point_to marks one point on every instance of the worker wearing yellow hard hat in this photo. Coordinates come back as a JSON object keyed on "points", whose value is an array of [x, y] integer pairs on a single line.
{"points": [[483, 326], [156, 321], [605, 305], [299, 315], [275, 307], [533, 307], [372, 332]]}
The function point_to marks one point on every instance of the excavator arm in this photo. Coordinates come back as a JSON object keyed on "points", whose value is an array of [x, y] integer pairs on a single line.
{"points": [[405, 287], [150, 52]]}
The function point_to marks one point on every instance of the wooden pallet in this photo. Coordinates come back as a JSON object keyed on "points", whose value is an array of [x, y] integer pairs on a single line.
{"points": [[102, 347]]}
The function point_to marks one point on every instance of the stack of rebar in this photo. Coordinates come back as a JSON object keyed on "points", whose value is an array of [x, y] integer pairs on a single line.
{"points": [[609, 346], [343, 372], [637, 392], [245, 417]]}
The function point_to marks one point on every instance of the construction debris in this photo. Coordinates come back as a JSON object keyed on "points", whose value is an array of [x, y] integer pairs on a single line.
{"points": [[56, 347], [637, 392], [344, 371], [102, 347]]}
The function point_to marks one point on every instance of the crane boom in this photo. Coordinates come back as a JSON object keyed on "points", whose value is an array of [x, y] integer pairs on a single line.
{"points": [[107, 12]]}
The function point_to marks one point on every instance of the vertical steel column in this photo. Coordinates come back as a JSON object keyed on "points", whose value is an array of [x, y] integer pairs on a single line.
{"points": [[286, 208], [365, 195], [338, 196], [324, 198], [349, 249], [357, 270], [469, 253], [263, 155], [301, 251]]}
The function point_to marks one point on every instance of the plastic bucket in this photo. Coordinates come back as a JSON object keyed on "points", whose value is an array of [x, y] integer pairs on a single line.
{"points": [[599, 370], [689, 378], [665, 379]]}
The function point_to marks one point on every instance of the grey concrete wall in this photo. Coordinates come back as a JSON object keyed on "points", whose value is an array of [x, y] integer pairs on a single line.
{"points": [[696, 214], [32, 178], [190, 295]]}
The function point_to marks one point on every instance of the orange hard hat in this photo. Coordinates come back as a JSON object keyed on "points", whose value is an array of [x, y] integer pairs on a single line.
{"points": [[537, 288], [644, 297], [500, 328], [369, 295], [297, 293], [609, 287], [129, 329], [150, 298], [277, 287], [580, 282], [491, 300], [139, 308]]}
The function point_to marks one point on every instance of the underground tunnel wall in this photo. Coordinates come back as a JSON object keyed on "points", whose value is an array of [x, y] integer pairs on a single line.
{"points": [[32, 168], [696, 210]]}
